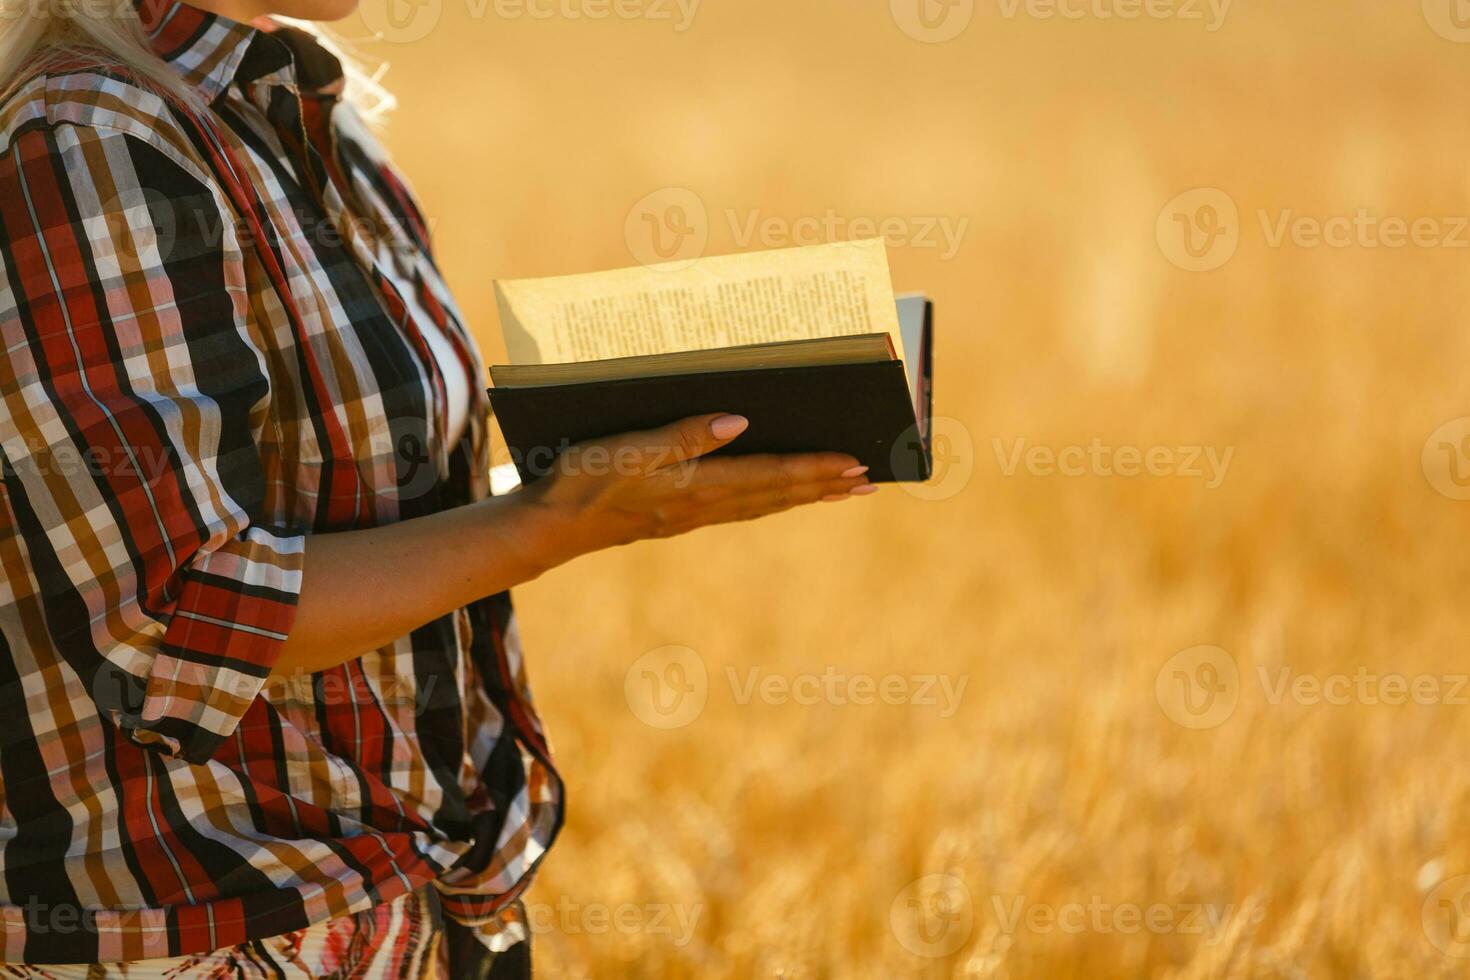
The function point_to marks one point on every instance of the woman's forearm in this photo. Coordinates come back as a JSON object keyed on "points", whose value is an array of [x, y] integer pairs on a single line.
{"points": [[363, 589]]}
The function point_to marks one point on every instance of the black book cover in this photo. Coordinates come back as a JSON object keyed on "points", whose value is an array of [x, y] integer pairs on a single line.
{"points": [[863, 409]]}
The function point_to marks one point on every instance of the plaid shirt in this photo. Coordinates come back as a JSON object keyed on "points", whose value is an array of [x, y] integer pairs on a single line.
{"points": [[212, 350]]}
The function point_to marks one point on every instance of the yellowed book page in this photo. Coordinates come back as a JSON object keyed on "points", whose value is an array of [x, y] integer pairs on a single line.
{"points": [[722, 301]]}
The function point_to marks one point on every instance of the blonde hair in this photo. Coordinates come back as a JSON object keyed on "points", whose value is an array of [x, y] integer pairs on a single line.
{"points": [[35, 33]]}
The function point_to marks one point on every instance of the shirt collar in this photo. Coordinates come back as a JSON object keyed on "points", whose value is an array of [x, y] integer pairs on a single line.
{"points": [[211, 52]]}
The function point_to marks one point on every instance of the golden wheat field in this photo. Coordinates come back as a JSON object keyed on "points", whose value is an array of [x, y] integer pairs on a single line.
{"points": [[1166, 675]]}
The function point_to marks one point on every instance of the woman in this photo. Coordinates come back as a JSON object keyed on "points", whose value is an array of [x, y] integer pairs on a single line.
{"points": [[265, 711]]}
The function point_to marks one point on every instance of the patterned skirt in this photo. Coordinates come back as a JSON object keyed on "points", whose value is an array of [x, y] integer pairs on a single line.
{"points": [[407, 939]]}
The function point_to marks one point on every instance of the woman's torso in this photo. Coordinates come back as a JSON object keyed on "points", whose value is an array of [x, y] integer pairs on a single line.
{"points": [[322, 410]]}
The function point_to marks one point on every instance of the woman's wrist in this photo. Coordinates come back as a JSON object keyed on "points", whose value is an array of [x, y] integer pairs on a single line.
{"points": [[540, 534]]}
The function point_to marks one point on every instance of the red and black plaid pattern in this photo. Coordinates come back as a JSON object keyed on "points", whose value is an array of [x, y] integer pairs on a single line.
{"points": [[211, 328], [401, 939]]}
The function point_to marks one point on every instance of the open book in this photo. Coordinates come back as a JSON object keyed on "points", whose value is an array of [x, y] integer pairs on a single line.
{"points": [[810, 344]]}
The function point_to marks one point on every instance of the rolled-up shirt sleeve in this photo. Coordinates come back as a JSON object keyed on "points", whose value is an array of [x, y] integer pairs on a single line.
{"points": [[135, 393]]}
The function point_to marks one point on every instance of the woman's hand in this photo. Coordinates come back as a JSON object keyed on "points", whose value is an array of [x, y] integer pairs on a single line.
{"points": [[362, 589], [655, 485]]}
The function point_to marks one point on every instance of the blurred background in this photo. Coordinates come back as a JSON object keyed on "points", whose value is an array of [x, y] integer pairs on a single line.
{"points": [[1165, 675]]}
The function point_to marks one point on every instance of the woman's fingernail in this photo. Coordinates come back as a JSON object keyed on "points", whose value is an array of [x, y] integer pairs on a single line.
{"points": [[855, 471], [728, 426], [863, 490], [832, 498]]}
